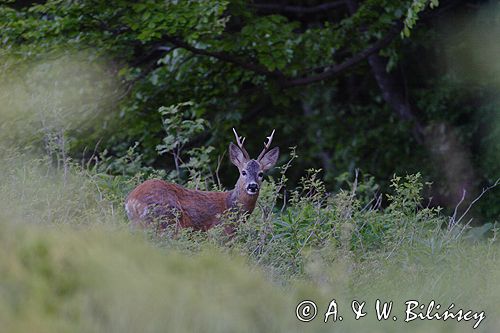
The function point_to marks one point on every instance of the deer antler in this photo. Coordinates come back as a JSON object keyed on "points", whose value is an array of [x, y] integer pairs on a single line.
{"points": [[266, 145], [240, 141]]}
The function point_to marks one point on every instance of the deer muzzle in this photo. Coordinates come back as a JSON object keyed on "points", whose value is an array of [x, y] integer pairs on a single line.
{"points": [[252, 188]]}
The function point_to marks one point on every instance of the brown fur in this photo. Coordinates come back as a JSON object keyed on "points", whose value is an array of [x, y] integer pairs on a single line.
{"points": [[157, 199], [166, 203]]}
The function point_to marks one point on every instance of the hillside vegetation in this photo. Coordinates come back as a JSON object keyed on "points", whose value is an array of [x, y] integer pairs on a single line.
{"points": [[386, 189], [71, 263]]}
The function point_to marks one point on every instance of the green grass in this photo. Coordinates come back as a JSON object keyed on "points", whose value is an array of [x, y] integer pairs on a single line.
{"points": [[69, 262]]}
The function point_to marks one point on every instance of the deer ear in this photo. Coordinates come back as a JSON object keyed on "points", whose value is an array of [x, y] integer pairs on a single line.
{"points": [[269, 159], [236, 156]]}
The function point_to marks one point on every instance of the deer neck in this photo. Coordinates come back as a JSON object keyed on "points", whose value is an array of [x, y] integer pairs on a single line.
{"points": [[240, 199]]}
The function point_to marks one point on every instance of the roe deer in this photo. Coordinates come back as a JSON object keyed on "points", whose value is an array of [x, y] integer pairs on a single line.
{"points": [[157, 200]]}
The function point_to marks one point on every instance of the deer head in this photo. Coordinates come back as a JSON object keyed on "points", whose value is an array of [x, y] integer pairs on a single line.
{"points": [[252, 171]]}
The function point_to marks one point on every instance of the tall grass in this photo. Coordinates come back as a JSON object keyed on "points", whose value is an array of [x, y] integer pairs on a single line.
{"points": [[69, 262]]}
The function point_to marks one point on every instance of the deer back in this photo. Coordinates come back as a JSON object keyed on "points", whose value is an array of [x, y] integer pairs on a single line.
{"points": [[168, 203]]}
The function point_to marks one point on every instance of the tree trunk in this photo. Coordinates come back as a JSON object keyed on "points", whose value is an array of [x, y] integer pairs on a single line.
{"points": [[390, 85]]}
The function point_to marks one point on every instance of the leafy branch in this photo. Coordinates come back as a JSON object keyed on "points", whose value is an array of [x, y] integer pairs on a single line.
{"points": [[299, 9], [286, 81]]}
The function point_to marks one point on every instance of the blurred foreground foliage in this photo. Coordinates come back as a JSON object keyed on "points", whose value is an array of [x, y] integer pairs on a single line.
{"points": [[95, 96], [69, 262]]}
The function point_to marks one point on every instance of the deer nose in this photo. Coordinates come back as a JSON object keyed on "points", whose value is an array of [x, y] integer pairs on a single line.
{"points": [[253, 187]]}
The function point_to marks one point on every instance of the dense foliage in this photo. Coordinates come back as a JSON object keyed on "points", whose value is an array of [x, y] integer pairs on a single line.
{"points": [[69, 262], [372, 100], [386, 86]]}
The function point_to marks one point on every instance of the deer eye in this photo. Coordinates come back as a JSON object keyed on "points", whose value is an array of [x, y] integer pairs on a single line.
{"points": [[261, 174], [243, 172]]}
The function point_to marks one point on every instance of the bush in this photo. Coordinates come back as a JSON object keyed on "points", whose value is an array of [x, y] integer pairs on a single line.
{"points": [[69, 263]]}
